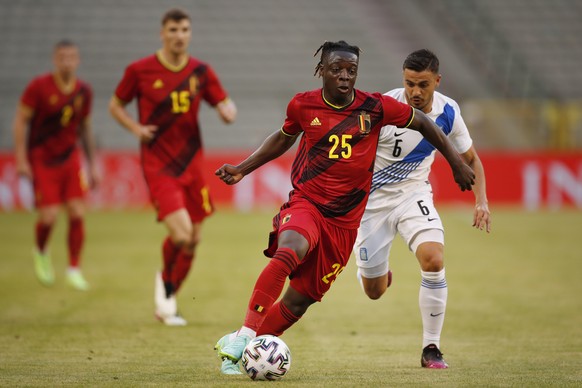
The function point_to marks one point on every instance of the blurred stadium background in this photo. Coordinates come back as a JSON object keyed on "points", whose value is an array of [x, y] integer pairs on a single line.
{"points": [[515, 311], [512, 65]]}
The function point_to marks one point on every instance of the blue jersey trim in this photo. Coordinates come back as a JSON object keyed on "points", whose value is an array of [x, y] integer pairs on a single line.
{"points": [[399, 171]]}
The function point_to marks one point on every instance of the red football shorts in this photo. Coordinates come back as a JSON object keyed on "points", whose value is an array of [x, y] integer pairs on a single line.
{"points": [[330, 247], [56, 184], [169, 194]]}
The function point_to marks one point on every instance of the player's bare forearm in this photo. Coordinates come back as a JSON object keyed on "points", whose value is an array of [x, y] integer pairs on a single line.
{"points": [[21, 120], [274, 146], [88, 141], [227, 110], [463, 174], [145, 133], [19, 141], [472, 159], [120, 114], [481, 214]]}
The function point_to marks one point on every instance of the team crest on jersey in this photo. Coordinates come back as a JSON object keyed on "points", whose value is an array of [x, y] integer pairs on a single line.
{"points": [[365, 123], [158, 84], [53, 99], [286, 219], [194, 84]]}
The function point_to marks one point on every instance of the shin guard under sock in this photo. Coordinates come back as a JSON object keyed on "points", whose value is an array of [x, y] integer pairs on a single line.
{"points": [[269, 286]]}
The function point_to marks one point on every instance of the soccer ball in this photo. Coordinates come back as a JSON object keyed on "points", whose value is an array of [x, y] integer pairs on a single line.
{"points": [[266, 358]]}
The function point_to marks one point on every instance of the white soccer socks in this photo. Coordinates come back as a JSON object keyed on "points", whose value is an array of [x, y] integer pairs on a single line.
{"points": [[432, 300]]}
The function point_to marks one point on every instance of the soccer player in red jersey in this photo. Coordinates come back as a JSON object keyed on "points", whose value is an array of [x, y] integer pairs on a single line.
{"points": [[169, 87], [52, 116], [331, 175]]}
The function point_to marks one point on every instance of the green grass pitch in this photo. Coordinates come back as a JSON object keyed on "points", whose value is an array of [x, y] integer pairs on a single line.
{"points": [[514, 316]]}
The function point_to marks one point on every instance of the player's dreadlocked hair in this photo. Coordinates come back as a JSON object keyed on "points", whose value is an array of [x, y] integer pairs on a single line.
{"points": [[328, 47], [421, 60]]}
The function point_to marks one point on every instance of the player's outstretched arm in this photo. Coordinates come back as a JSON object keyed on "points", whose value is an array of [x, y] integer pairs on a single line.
{"points": [[463, 174], [21, 120], [274, 146], [481, 214]]}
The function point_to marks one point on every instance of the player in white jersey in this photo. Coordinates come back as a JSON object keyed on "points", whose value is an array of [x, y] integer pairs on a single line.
{"points": [[401, 200]]}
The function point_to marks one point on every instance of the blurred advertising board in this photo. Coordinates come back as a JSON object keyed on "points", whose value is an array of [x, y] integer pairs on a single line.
{"points": [[532, 180]]}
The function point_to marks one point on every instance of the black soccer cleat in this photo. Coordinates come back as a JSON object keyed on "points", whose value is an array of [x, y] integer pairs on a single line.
{"points": [[432, 358]]}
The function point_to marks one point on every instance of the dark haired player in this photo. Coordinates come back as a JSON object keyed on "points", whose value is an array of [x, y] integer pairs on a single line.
{"points": [[53, 115], [169, 87], [401, 200], [315, 230]]}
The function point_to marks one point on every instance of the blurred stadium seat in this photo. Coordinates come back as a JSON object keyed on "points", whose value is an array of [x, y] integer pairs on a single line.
{"points": [[513, 65]]}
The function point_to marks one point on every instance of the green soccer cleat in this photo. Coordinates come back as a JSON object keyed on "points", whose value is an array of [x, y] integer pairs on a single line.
{"points": [[228, 367], [43, 267], [225, 340], [233, 350], [76, 280]]}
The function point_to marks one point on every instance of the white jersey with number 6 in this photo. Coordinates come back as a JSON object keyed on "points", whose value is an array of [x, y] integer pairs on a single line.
{"points": [[405, 156]]}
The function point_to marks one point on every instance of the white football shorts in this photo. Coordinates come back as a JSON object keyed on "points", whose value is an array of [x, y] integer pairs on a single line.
{"points": [[409, 212]]}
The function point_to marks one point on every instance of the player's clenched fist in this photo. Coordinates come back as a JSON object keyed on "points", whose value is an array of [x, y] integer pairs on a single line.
{"points": [[229, 174]]}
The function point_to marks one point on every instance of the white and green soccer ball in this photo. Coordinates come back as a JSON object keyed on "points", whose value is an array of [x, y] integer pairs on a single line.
{"points": [[266, 358]]}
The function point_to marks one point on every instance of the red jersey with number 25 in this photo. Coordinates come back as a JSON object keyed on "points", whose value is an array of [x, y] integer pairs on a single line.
{"points": [[169, 98], [56, 118], [335, 159]]}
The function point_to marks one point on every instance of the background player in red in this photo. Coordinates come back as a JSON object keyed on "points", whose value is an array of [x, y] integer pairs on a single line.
{"points": [[52, 115], [315, 230], [169, 86]]}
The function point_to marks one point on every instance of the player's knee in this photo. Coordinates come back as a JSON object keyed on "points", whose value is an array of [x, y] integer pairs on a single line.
{"points": [[75, 208], [48, 217], [190, 246], [182, 240], [375, 293], [433, 263], [194, 241], [374, 287], [298, 310], [430, 256], [48, 221]]}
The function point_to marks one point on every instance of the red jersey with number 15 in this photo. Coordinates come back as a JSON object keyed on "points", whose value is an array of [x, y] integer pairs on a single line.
{"points": [[169, 97], [335, 160], [56, 117]]}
